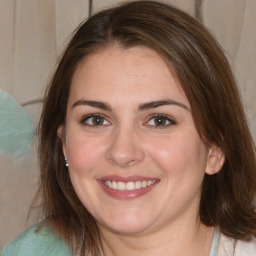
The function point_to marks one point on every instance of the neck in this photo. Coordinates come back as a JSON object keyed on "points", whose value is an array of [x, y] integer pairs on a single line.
{"points": [[186, 240]]}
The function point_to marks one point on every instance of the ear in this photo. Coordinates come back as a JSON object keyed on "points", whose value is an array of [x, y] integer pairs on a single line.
{"points": [[215, 161], [61, 135]]}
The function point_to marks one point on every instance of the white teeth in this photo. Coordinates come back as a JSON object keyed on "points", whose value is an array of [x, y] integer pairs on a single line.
{"points": [[138, 184], [109, 184], [120, 185], [144, 184], [150, 182], [114, 184], [130, 185]]}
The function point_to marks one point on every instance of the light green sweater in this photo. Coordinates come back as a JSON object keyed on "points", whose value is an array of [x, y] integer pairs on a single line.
{"points": [[45, 243], [33, 243]]}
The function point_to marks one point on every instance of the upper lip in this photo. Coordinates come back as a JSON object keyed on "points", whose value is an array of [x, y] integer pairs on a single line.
{"points": [[126, 179]]}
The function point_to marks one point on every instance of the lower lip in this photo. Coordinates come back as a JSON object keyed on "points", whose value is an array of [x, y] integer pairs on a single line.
{"points": [[126, 194]]}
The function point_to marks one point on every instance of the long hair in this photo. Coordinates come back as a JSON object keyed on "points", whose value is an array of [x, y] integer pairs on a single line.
{"points": [[189, 50]]}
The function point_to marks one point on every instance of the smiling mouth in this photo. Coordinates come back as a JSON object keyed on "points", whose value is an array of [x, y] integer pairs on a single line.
{"points": [[128, 186]]}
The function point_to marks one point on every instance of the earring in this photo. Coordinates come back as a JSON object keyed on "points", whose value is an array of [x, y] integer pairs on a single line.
{"points": [[66, 161]]}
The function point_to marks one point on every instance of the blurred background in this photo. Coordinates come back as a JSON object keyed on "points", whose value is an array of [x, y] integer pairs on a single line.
{"points": [[33, 36]]}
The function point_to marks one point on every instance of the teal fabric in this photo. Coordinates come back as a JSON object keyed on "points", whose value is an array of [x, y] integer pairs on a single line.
{"points": [[32, 243], [215, 243], [45, 243], [16, 127]]}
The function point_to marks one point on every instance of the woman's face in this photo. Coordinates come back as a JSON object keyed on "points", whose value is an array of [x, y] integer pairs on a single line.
{"points": [[135, 158]]}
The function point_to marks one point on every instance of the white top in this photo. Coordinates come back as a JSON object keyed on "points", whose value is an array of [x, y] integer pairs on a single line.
{"points": [[226, 246], [229, 246]]}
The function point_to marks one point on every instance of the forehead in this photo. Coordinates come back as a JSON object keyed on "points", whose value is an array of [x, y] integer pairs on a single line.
{"points": [[137, 69]]}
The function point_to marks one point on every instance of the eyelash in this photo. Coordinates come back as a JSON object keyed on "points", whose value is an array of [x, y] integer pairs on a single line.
{"points": [[103, 119], [163, 117], [88, 117]]}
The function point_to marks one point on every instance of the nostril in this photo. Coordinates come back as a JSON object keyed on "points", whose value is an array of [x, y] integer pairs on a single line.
{"points": [[131, 162], [125, 159]]}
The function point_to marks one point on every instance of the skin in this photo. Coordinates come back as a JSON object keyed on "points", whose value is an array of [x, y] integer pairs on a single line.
{"points": [[128, 141]]}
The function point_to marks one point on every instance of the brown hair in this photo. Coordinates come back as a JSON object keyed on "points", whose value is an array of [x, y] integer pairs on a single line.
{"points": [[228, 197]]}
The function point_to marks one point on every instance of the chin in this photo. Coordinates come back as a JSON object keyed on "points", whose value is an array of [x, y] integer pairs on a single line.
{"points": [[126, 228], [130, 225]]}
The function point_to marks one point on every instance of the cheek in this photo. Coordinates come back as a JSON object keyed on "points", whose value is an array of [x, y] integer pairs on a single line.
{"points": [[83, 152], [180, 154], [84, 156], [182, 162]]}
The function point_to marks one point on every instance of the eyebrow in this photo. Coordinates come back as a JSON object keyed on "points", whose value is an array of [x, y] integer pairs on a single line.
{"points": [[93, 103], [142, 107], [159, 103]]}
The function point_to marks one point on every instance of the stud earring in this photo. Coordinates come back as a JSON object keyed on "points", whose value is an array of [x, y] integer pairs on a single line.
{"points": [[66, 161]]}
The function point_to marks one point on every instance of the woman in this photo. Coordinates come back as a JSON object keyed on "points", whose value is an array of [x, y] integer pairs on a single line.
{"points": [[144, 147]]}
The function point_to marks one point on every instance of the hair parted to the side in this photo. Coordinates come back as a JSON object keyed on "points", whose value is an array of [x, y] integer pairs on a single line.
{"points": [[191, 52]]}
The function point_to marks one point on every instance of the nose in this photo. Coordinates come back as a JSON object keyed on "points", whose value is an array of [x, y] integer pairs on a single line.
{"points": [[125, 148]]}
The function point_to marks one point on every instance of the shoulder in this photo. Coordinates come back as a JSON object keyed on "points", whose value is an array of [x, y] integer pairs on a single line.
{"points": [[37, 242], [229, 246]]}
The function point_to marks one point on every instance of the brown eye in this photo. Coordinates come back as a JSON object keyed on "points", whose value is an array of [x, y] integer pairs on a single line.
{"points": [[95, 120], [160, 121]]}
